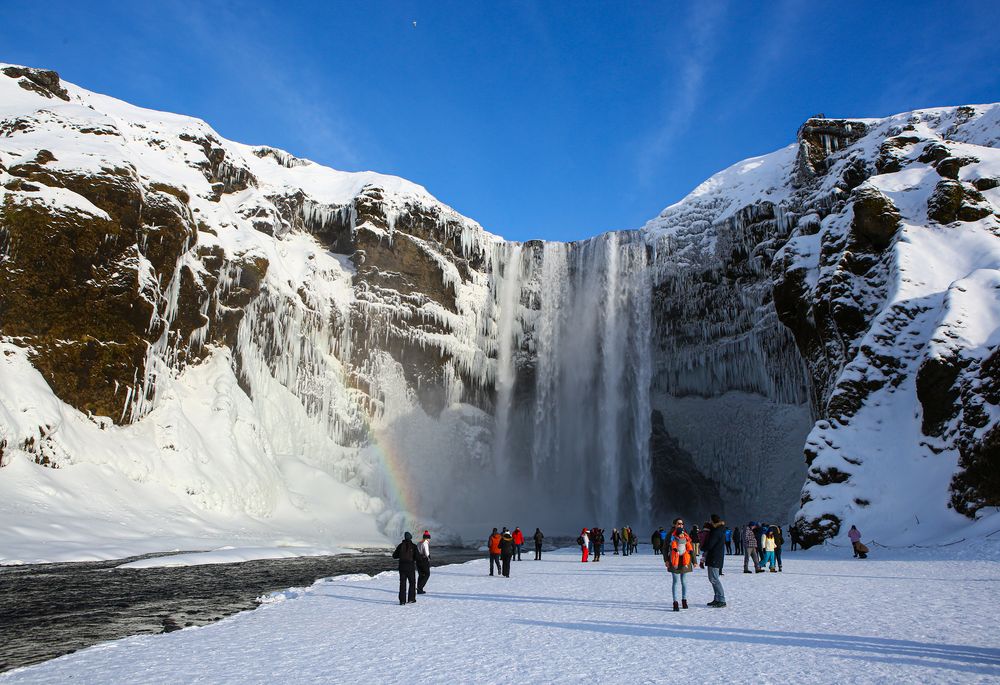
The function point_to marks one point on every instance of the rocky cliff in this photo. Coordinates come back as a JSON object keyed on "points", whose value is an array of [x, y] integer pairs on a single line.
{"points": [[258, 334]]}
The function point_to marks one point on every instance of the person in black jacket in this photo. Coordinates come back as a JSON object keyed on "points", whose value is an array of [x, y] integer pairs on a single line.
{"points": [[406, 552], [506, 551], [538, 543], [713, 554]]}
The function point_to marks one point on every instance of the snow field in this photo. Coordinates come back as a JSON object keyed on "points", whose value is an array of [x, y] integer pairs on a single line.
{"points": [[914, 616]]}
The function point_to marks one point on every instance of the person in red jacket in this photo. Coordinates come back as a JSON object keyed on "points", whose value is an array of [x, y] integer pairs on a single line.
{"points": [[678, 553], [518, 541], [584, 541], [494, 546]]}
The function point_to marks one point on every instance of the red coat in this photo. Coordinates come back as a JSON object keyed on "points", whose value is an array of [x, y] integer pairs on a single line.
{"points": [[494, 543], [518, 537]]}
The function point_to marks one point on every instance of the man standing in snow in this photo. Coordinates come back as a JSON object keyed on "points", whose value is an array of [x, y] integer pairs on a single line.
{"points": [[406, 552], [597, 537], [518, 541], [729, 541], [750, 549], [538, 543], [423, 562], [713, 556], [494, 546], [615, 539]]}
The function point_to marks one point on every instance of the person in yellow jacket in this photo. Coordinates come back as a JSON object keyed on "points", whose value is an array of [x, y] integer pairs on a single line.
{"points": [[677, 557], [770, 544]]}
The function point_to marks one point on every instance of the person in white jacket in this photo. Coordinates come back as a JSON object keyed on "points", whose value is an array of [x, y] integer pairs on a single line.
{"points": [[585, 543], [423, 562]]}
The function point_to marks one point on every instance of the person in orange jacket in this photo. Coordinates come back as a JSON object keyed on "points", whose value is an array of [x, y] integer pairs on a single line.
{"points": [[494, 546], [677, 557], [518, 541]]}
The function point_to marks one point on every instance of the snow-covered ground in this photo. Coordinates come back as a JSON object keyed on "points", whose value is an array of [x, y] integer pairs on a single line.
{"points": [[899, 616]]}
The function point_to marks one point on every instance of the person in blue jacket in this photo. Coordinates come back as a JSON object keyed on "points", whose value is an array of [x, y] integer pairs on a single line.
{"points": [[729, 541]]}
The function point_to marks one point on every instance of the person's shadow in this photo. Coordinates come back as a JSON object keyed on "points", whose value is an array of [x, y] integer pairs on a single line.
{"points": [[983, 660]]}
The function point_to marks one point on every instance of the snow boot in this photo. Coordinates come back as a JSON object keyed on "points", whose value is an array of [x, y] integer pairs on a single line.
{"points": [[718, 605], [676, 608], [744, 571], [773, 571], [684, 603]]}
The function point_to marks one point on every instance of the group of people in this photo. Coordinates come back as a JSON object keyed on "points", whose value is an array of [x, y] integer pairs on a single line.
{"points": [[760, 543], [414, 567], [506, 547]]}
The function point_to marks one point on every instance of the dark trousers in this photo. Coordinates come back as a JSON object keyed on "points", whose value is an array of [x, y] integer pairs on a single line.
{"points": [[407, 582], [625, 548], [538, 551], [777, 555], [423, 573], [517, 552], [729, 547], [494, 559], [597, 553], [506, 566], [615, 543]]}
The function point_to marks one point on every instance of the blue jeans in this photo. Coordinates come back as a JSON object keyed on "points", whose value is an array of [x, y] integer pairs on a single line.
{"points": [[682, 579], [768, 560], [713, 578]]}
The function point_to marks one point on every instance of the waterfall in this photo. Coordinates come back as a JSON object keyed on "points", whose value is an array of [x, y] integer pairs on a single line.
{"points": [[573, 417]]}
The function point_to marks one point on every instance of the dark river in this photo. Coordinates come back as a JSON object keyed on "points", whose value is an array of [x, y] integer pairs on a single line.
{"points": [[47, 610]]}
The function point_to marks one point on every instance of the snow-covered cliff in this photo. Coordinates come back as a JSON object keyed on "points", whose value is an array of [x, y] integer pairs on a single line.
{"points": [[204, 340]]}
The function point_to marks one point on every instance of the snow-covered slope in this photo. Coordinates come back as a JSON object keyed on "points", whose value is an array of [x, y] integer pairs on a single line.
{"points": [[206, 342]]}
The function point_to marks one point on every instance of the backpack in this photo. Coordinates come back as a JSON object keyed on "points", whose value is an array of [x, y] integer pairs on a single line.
{"points": [[579, 540]]}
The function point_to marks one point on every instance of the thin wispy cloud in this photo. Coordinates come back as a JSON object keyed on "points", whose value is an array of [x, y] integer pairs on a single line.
{"points": [[700, 44], [302, 110]]}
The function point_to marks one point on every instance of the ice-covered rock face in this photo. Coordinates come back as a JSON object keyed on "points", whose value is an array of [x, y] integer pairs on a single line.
{"points": [[371, 350]]}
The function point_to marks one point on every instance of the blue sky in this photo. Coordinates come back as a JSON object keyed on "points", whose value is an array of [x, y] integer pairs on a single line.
{"points": [[550, 119]]}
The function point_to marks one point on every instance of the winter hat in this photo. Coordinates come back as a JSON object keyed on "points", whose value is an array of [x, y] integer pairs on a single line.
{"points": [[407, 536], [427, 535]]}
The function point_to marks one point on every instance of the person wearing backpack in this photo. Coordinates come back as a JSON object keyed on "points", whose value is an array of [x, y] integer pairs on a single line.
{"points": [[494, 546], [406, 553], [538, 543]]}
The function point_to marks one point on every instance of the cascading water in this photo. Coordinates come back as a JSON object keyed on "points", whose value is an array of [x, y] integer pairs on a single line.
{"points": [[575, 418]]}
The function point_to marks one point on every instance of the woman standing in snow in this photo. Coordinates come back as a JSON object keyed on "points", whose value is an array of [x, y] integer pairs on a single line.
{"points": [[769, 544], [423, 562], [677, 556], [779, 540], [494, 546], [584, 541], [854, 535]]}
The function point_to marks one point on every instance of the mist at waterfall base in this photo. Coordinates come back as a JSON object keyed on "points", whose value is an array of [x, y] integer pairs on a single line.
{"points": [[567, 442]]}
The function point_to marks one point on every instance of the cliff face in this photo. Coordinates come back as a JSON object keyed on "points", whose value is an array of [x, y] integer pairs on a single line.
{"points": [[839, 293]]}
